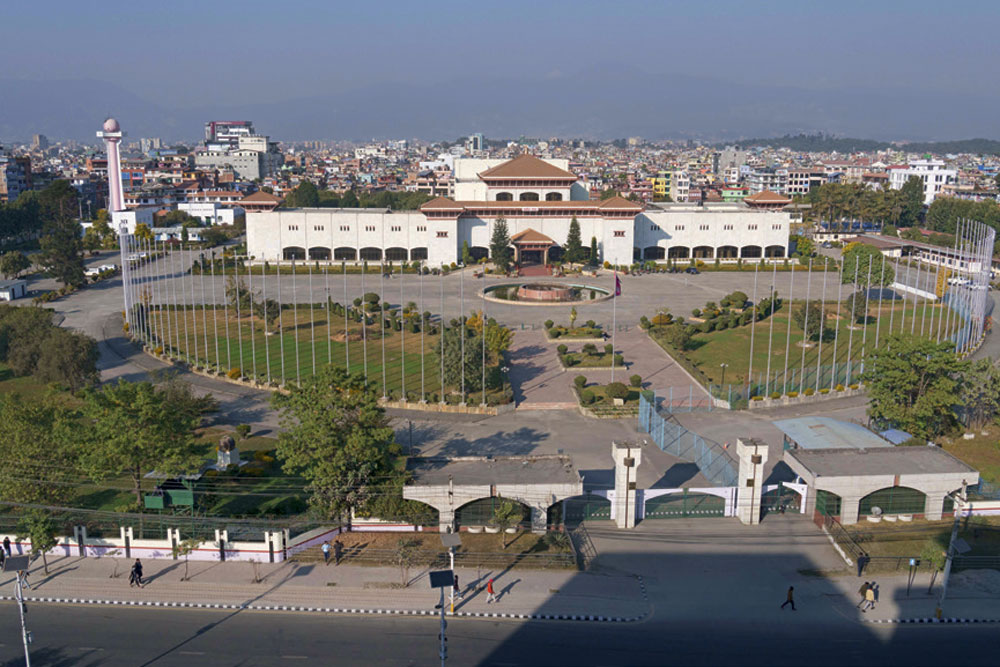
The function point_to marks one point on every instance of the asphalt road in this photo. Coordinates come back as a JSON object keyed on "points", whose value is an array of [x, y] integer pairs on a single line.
{"points": [[91, 636]]}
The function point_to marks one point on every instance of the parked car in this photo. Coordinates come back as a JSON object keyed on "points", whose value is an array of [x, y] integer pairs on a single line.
{"points": [[692, 270]]}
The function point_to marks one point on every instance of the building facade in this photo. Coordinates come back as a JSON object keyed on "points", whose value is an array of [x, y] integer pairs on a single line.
{"points": [[932, 174], [538, 199]]}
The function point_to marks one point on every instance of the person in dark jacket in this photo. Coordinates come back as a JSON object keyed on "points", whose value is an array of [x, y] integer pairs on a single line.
{"points": [[791, 598]]}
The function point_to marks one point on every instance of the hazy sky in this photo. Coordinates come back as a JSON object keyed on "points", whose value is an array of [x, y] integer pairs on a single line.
{"points": [[192, 53]]}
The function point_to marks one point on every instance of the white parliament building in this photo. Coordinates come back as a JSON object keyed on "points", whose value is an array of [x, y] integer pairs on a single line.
{"points": [[538, 199]]}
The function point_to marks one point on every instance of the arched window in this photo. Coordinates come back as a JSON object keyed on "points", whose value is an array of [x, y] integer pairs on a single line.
{"points": [[319, 252], [529, 196], [345, 254], [294, 252], [554, 196], [505, 196]]}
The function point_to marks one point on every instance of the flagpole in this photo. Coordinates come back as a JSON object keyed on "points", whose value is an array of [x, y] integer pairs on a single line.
{"points": [[461, 322], [328, 309], [382, 313], [402, 334], [423, 325], [295, 324], [204, 306], [868, 293], [822, 323], [347, 336], [281, 314], [441, 333], [788, 332], [267, 345], [770, 327], [805, 327], [482, 321], [364, 318], [253, 332], [836, 331], [614, 322], [194, 307], [312, 314], [850, 329], [239, 322], [180, 276], [753, 327], [215, 317], [225, 316]]}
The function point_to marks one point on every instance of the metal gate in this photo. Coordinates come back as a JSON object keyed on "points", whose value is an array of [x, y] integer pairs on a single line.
{"points": [[780, 501], [684, 505], [572, 511]]}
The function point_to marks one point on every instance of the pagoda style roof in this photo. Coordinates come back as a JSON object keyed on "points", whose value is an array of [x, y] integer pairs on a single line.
{"points": [[441, 204], [262, 197], [530, 236], [620, 203], [527, 167], [767, 197]]}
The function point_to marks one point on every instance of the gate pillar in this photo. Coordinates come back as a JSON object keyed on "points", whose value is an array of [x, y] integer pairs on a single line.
{"points": [[628, 456], [750, 483]]}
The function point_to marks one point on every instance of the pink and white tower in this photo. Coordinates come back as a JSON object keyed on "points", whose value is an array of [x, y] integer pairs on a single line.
{"points": [[112, 134]]}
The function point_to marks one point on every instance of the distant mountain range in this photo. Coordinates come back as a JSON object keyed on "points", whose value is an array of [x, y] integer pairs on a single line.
{"points": [[821, 143], [602, 103]]}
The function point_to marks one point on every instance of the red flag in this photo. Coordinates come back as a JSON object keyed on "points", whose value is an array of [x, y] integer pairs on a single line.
{"points": [[618, 285]]}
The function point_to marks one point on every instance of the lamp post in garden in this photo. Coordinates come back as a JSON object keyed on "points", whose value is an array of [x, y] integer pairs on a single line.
{"points": [[723, 366]]}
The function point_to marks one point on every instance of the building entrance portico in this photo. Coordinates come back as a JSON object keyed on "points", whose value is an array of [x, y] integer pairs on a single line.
{"points": [[531, 247]]}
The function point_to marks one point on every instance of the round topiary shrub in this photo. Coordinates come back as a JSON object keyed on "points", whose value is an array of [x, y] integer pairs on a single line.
{"points": [[824, 390], [580, 381], [549, 324], [793, 394], [809, 391], [590, 348], [839, 387], [619, 360], [696, 312], [644, 322], [234, 373], [616, 390], [756, 398], [562, 349], [854, 386], [587, 397], [775, 395], [635, 380], [609, 348]]}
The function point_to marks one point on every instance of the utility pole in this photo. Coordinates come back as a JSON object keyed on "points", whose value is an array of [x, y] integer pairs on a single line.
{"points": [[18, 565], [951, 551]]}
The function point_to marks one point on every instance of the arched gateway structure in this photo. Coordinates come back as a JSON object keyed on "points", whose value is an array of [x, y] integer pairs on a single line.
{"points": [[537, 482]]}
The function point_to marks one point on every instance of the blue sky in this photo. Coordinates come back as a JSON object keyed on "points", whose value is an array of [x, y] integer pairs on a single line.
{"points": [[187, 53]]}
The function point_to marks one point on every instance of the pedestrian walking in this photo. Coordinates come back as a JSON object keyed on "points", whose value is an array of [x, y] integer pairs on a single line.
{"points": [[457, 589], [862, 563], [862, 592], [3, 558], [326, 552], [6, 544], [869, 599], [791, 599], [338, 551], [490, 595], [135, 576]]}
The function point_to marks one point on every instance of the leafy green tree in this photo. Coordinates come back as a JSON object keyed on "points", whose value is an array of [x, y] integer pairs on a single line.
{"points": [[13, 263], [404, 555], [466, 254], [859, 255], [22, 331], [912, 195], [133, 428], [305, 195], [268, 310], [38, 526], [593, 251], [574, 252], [857, 305], [143, 232], [498, 338], [39, 449], [913, 383], [337, 436], [804, 246], [349, 200], [810, 315], [62, 251], [91, 240], [238, 295], [183, 549], [506, 514], [981, 393], [69, 358], [500, 245], [453, 359], [179, 218]]}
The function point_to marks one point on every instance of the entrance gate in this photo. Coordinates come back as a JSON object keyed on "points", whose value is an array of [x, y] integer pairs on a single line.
{"points": [[573, 511], [780, 500], [683, 505]]}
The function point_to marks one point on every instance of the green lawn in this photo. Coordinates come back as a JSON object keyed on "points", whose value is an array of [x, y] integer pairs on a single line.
{"points": [[849, 340], [908, 540], [305, 345], [982, 452], [583, 360]]}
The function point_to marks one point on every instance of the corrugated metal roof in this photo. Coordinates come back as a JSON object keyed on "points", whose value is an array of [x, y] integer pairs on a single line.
{"points": [[826, 433]]}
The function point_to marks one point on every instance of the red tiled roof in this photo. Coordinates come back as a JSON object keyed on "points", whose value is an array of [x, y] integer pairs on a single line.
{"points": [[768, 197], [530, 236], [527, 166], [262, 197]]}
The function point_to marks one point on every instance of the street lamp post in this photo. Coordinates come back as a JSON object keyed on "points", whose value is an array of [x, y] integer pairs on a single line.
{"points": [[723, 366]]}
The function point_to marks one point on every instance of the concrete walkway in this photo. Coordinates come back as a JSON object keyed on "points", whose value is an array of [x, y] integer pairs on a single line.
{"points": [[345, 588]]}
